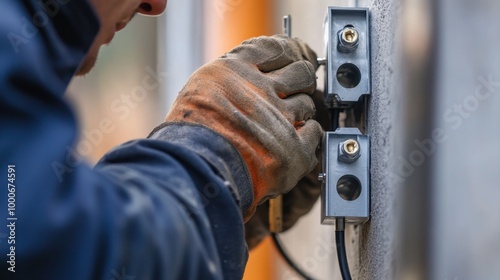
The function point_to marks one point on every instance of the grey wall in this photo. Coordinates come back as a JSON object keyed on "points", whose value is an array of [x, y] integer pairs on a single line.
{"points": [[377, 236], [455, 211], [466, 175]]}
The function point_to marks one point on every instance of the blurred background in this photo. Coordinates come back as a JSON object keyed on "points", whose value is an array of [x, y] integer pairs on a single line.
{"points": [[433, 123]]}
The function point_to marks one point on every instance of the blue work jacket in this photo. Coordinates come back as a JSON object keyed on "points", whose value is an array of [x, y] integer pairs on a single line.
{"points": [[165, 207]]}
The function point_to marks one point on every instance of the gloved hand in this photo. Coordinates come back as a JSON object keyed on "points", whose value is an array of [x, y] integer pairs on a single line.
{"points": [[300, 199], [257, 97]]}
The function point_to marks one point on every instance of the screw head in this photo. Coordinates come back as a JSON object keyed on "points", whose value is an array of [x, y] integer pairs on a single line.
{"points": [[350, 147], [349, 150], [321, 60], [348, 39], [321, 177], [349, 36]]}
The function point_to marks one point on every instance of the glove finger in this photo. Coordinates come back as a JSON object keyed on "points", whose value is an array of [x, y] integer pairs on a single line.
{"points": [[298, 109], [298, 77], [306, 52], [301, 199], [267, 51], [272, 53], [310, 134], [293, 50]]}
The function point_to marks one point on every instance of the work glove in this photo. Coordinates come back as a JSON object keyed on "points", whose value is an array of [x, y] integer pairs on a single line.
{"points": [[257, 96], [300, 199]]}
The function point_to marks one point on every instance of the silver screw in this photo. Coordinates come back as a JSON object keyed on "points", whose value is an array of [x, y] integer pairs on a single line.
{"points": [[349, 36], [350, 149], [351, 146], [348, 39], [321, 176]]}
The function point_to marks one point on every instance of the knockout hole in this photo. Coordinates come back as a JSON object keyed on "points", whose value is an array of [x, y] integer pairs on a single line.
{"points": [[349, 187], [348, 75]]}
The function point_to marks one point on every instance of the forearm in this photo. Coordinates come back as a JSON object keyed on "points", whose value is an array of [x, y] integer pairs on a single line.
{"points": [[195, 212], [156, 209]]}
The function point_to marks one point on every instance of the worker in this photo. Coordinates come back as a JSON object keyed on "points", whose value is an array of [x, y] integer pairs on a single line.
{"points": [[172, 205]]}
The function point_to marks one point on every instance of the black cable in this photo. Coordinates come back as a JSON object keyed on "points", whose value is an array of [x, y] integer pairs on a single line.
{"points": [[341, 254], [334, 116], [287, 259]]}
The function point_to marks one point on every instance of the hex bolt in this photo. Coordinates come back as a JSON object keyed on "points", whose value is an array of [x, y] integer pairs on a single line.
{"points": [[349, 151], [350, 148], [348, 39], [349, 36]]}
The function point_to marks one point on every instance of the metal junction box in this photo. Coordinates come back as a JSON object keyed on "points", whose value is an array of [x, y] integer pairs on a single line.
{"points": [[347, 55], [346, 177]]}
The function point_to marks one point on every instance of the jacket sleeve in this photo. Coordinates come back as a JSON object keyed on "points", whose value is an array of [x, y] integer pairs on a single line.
{"points": [[166, 207]]}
